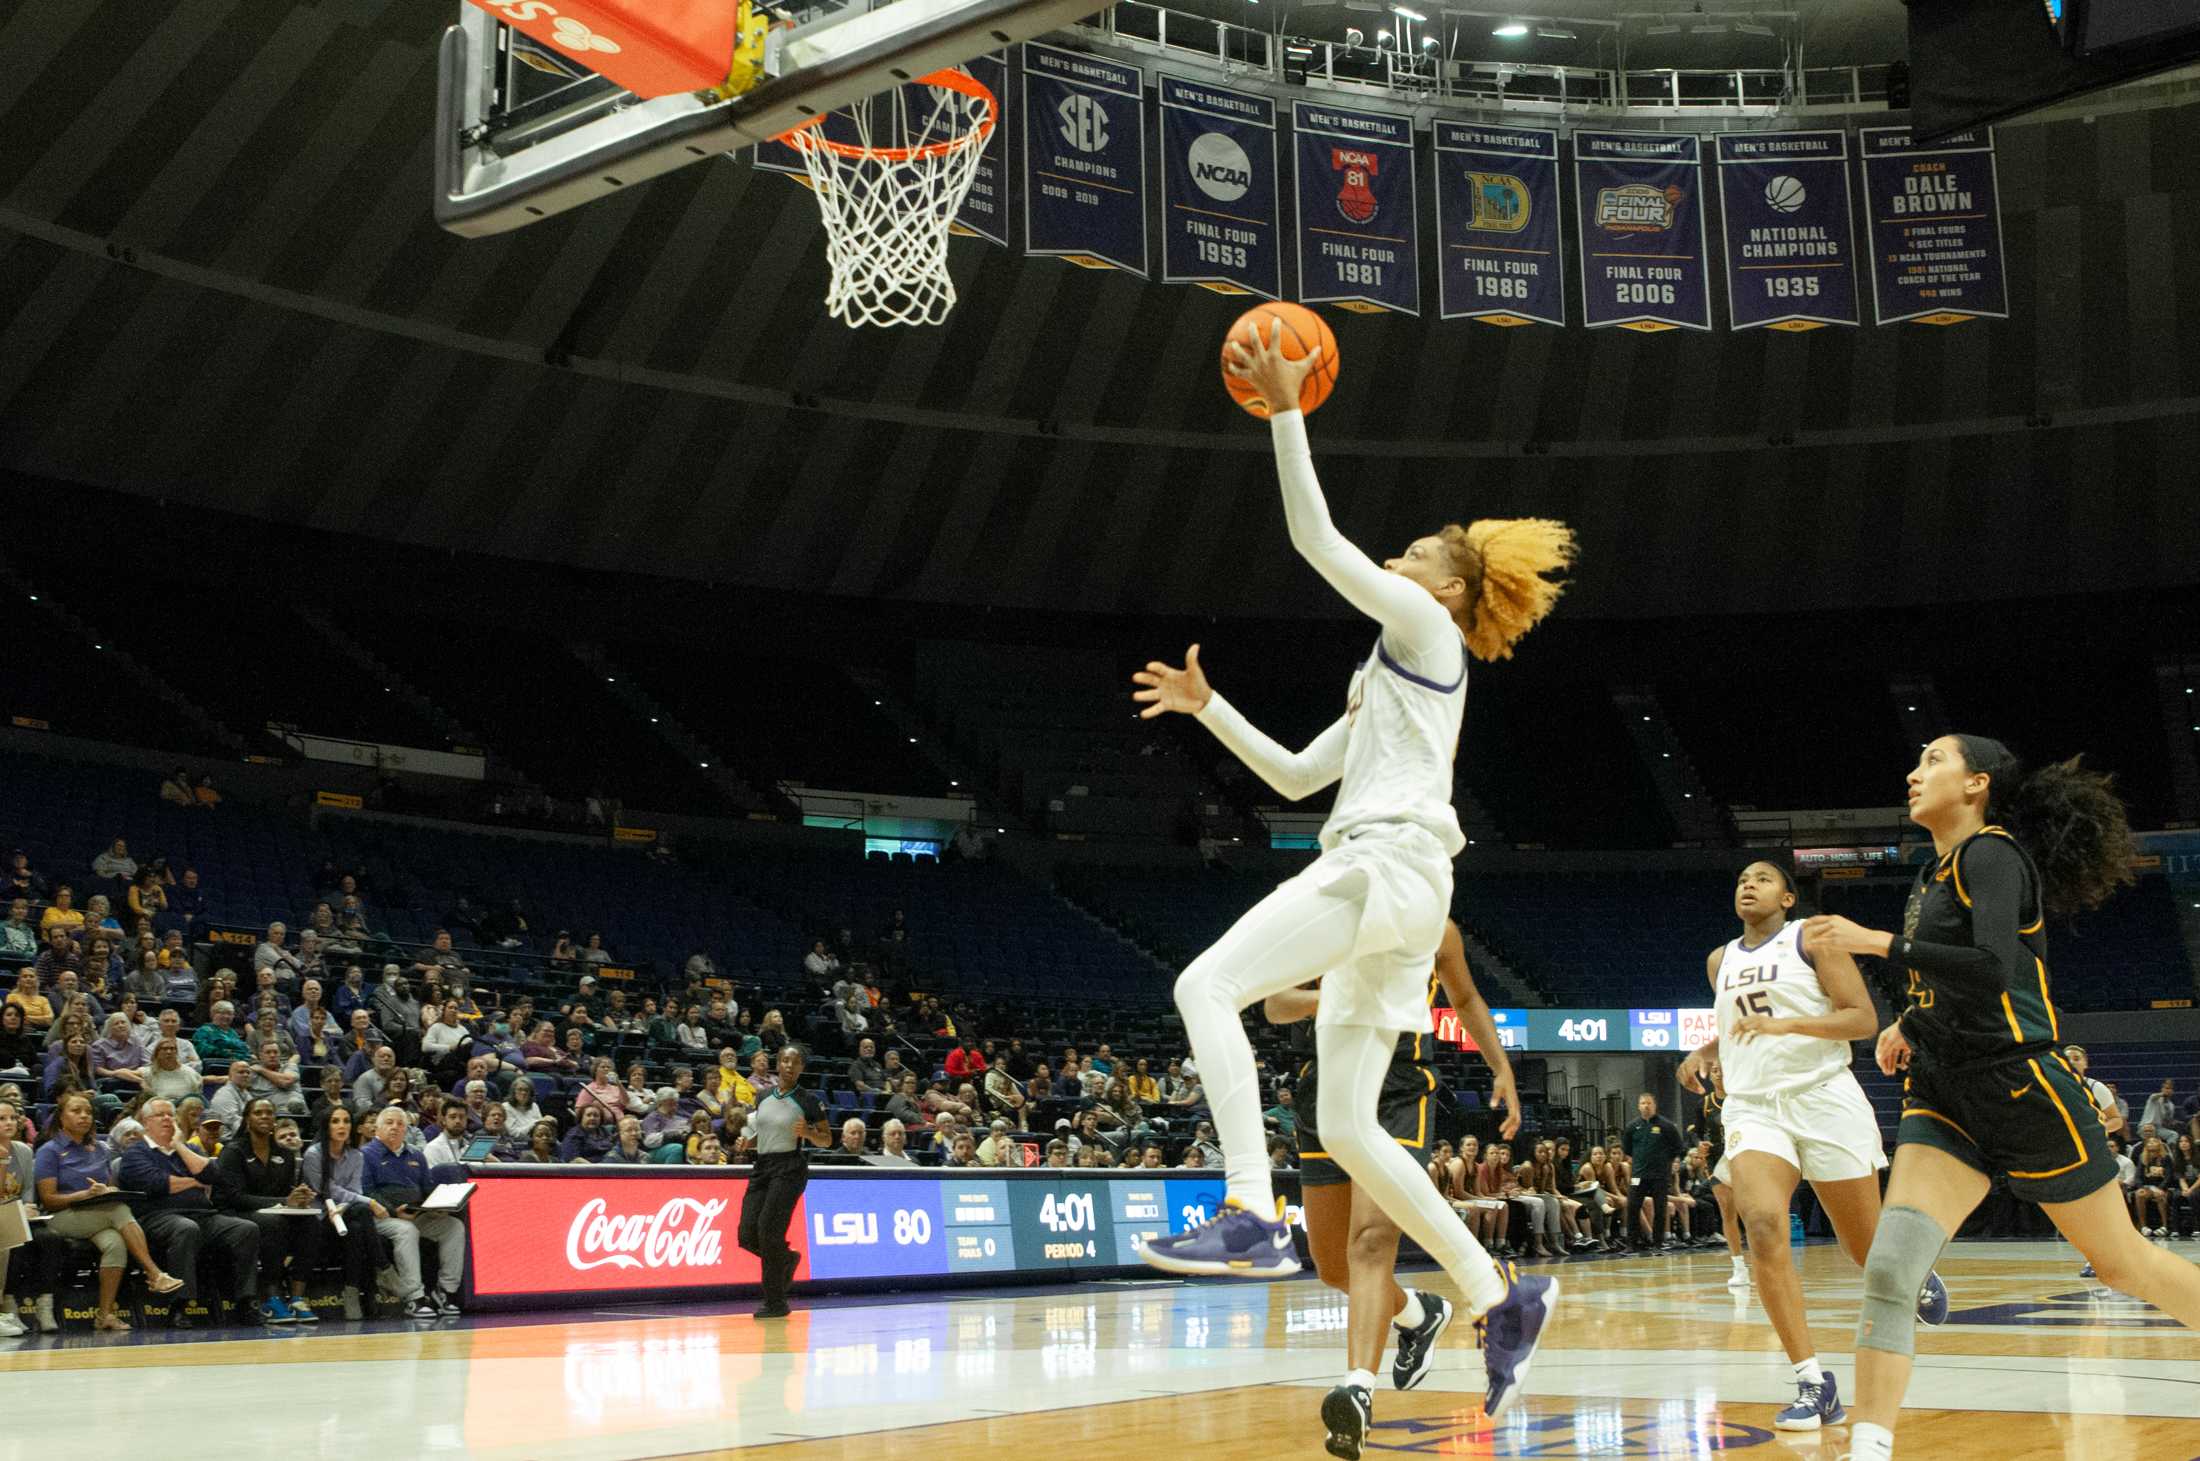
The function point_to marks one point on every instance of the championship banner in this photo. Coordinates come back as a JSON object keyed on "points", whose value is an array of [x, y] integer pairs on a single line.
{"points": [[1084, 160], [984, 211], [1358, 245], [1218, 189], [1501, 260], [1933, 216], [1642, 231], [1789, 238]]}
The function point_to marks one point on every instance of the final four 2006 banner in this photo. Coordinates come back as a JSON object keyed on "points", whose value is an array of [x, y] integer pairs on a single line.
{"points": [[1084, 159], [1642, 230], [1790, 252], [1497, 225], [1218, 189], [1358, 235], [1934, 214]]}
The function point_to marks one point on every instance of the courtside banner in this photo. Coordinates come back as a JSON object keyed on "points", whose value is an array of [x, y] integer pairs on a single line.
{"points": [[1642, 231], [1790, 255], [1497, 225], [1358, 242], [1084, 160], [1218, 189], [609, 1234], [984, 211], [1933, 216]]}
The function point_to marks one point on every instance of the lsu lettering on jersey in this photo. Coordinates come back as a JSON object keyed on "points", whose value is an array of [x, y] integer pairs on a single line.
{"points": [[1776, 978]]}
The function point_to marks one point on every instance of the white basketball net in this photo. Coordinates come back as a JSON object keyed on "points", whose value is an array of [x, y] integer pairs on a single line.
{"points": [[890, 193]]}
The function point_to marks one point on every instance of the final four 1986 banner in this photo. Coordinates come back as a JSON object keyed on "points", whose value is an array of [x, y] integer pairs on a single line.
{"points": [[1790, 251], [1358, 244], [1218, 189], [1084, 159], [1497, 225], [1642, 230], [1934, 215]]}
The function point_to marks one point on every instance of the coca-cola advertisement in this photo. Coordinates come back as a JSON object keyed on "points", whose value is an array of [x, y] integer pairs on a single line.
{"points": [[610, 1234]]}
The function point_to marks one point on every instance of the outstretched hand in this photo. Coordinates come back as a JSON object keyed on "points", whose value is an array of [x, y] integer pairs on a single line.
{"points": [[1185, 691], [1276, 377]]}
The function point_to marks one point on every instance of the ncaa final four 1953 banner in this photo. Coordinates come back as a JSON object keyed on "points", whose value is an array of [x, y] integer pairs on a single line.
{"points": [[1218, 189], [1358, 240], [984, 210], [1501, 261], [1084, 160], [1642, 230], [1934, 220], [1790, 251]]}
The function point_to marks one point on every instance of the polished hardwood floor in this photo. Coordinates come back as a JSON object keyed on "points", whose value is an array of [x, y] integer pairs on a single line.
{"points": [[1651, 1357]]}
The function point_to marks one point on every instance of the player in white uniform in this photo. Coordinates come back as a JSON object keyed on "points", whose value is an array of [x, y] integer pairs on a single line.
{"points": [[1793, 1112], [1366, 918]]}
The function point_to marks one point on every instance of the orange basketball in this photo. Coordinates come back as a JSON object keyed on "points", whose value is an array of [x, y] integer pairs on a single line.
{"points": [[1303, 330]]}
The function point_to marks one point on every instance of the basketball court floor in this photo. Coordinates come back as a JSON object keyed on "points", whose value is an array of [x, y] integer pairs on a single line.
{"points": [[1652, 1357]]}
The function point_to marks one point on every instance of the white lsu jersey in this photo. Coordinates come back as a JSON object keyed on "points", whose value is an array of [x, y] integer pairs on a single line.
{"points": [[1776, 978], [1402, 735]]}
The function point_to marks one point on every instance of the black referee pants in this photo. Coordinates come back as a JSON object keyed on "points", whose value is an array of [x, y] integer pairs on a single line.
{"points": [[775, 1186]]}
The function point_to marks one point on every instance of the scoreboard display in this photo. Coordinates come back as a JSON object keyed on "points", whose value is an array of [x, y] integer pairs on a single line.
{"points": [[1648, 1031]]}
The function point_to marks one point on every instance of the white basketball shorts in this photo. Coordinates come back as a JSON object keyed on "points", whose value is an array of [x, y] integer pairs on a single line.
{"points": [[1828, 1133]]}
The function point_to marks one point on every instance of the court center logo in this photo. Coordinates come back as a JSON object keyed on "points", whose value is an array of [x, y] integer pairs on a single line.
{"points": [[1637, 208], [1589, 1429], [1084, 122], [1220, 167], [1502, 203], [1785, 194], [1356, 169]]}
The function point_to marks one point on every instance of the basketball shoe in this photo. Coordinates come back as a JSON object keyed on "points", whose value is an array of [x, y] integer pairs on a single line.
{"points": [[1347, 1411], [1417, 1346], [1511, 1332], [1236, 1242], [1815, 1406]]}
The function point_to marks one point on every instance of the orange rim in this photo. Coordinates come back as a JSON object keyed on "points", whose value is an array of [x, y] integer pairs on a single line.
{"points": [[807, 135]]}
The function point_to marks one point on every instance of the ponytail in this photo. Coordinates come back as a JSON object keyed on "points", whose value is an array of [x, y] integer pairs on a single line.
{"points": [[1504, 561], [2068, 818]]}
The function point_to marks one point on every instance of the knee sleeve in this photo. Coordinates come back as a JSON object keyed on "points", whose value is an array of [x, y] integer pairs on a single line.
{"points": [[1903, 1252]]}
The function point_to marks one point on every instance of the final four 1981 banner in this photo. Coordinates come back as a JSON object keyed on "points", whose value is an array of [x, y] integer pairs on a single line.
{"points": [[1790, 251], [1218, 189], [1358, 240], [1501, 260], [1084, 159], [1642, 230], [1934, 215]]}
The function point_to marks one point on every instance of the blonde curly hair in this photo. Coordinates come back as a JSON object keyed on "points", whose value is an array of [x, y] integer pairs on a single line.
{"points": [[1505, 562]]}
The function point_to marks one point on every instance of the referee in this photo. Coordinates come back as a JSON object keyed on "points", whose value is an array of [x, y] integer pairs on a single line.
{"points": [[784, 1119]]}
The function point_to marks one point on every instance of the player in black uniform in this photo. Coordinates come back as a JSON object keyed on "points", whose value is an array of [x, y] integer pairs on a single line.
{"points": [[1987, 1092], [1354, 1243]]}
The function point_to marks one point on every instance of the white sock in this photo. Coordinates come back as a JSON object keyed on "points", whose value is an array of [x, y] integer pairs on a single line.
{"points": [[1414, 1314], [1365, 1379], [1868, 1442], [1808, 1371]]}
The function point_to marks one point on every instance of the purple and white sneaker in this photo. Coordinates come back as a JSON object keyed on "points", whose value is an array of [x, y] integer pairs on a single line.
{"points": [[1511, 1332], [1235, 1243]]}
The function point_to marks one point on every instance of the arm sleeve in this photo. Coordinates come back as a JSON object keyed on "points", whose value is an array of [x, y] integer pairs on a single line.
{"points": [[1991, 871], [1412, 620], [1295, 775]]}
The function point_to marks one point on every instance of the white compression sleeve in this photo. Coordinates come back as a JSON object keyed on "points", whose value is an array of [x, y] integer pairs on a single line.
{"points": [[1295, 775]]}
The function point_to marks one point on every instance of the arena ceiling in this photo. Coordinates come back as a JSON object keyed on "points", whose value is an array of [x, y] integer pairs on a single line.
{"points": [[219, 283]]}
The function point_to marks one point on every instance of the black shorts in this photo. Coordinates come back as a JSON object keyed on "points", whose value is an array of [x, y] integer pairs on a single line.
{"points": [[2028, 1118], [1406, 1109]]}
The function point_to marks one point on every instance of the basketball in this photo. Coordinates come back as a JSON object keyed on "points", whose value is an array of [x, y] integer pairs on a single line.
{"points": [[1784, 194], [1303, 330]]}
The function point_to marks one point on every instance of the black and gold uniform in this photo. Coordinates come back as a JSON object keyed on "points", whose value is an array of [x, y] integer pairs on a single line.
{"points": [[1987, 1083], [1406, 1109]]}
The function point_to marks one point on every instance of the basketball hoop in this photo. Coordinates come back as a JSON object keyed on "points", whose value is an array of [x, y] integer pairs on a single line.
{"points": [[890, 194]]}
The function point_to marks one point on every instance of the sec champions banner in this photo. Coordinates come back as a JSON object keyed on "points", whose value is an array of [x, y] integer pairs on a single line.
{"points": [[1218, 189], [1789, 238], [1642, 230], [1497, 225], [1358, 245], [1933, 216], [1084, 160], [984, 211]]}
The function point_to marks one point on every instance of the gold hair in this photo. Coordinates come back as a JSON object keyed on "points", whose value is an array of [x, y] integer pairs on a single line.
{"points": [[1503, 561]]}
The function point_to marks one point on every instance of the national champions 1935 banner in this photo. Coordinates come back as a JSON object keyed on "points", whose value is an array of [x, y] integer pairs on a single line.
{"points": [[1497, 235], [1084, 159], [1218, 189], [1640, 195], [1358, 244], [1933, 215], [1790, 238]]}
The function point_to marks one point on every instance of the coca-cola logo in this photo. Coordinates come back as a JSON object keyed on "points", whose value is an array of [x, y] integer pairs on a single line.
{"points": [[681, 1234]]}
